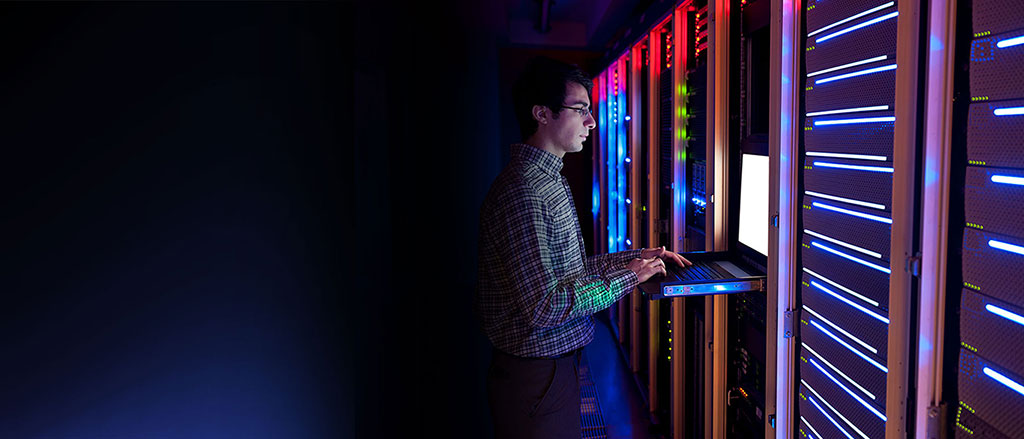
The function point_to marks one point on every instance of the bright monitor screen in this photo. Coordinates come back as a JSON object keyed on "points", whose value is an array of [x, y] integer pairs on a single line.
{"points": [[754, 202]]}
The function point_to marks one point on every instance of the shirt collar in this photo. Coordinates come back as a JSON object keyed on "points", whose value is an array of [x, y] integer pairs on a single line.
{"points": [[546, 161]]}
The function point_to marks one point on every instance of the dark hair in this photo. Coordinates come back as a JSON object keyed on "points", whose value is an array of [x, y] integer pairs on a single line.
{"points": [[544, 82]]}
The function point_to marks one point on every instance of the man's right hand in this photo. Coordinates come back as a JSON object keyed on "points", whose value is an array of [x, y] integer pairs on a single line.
{"points": [[647, 268]]}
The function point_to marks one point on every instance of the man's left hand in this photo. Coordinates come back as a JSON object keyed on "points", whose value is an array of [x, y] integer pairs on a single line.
{"points": [[667, 255]]}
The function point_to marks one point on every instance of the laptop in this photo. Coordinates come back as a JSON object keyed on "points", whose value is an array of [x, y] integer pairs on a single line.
{"points": [[734, 271]]}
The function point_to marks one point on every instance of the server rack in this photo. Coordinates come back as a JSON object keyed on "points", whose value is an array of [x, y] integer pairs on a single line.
{"points": [[747, 312], [989, 393], [856, 227], [658, 101], [692, 405], [638, 135], [609, 174], [719, 135], [601, 198], [621, 76], [599, 153], [653, 373]]}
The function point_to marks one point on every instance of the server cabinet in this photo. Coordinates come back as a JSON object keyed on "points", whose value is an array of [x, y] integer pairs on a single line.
{"points": [[990, 370], [849, 114]]}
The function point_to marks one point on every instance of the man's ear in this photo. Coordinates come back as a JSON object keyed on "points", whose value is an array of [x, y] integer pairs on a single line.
{"points": [[541, 114]]}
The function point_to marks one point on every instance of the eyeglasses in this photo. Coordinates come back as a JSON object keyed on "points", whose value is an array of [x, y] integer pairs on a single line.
{"points": [[582, 111]]}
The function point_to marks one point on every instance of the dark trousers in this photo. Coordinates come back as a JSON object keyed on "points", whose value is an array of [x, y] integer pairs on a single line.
{"points": [[534, 398]]}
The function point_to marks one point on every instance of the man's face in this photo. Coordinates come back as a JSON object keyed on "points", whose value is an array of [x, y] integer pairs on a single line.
{"points": [[570, 129]]}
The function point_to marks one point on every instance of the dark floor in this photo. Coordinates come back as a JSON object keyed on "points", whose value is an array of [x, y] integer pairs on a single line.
{"points": [[622, 406]]}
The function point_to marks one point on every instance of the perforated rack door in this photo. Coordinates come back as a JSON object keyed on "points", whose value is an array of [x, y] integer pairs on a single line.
{"points": [[991, 369], [849, 97]]}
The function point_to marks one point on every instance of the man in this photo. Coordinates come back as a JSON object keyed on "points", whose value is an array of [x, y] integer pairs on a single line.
{"points": [[537, 289]]}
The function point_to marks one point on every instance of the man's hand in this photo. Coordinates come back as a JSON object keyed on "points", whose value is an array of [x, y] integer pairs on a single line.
{"points": [[660, 252], [647, 268]]}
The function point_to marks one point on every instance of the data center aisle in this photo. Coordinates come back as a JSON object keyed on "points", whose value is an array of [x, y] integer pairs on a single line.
{"points": [[621, 404]]}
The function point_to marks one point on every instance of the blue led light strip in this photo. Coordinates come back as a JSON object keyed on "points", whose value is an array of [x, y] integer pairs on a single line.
{"points": [[843, 244], [843, 331], [847, 290], [1010, 42], [1004, 380], [848, 110], [845, 66], [1009, 315], [836, 370], [846, 200], [808, 424], [852, 212], [850, 18], [833, 421], [848, 391], [880, 158], [855, 74], [854, 167], [855, 27], [1006, 246], [869, 312], [850, 348], [1008, 179], [840, 415], [851, 258], [855, 121], [1010, 111]]}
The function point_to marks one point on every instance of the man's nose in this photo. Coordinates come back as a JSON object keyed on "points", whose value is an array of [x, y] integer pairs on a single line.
{"points": [[590, 123]]}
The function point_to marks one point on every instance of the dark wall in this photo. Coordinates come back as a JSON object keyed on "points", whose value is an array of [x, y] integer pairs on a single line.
{"points": [[177, 209], [247, 219]]}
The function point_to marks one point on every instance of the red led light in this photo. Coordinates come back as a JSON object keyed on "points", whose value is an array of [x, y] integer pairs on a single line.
{"points": [[668, 49]]}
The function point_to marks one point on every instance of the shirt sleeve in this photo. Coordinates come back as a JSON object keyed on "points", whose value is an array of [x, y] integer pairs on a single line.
{"points": [[546, 300], [603, 263]]}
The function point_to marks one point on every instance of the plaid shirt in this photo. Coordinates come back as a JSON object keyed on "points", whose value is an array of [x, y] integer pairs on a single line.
{"points": [[537, 291]]}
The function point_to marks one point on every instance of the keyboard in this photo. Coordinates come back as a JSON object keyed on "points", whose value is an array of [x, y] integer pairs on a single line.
{"points": [[703, 271]]}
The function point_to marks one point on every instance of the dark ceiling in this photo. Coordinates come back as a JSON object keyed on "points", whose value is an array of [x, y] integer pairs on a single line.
{"points": [[583, 24]]}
